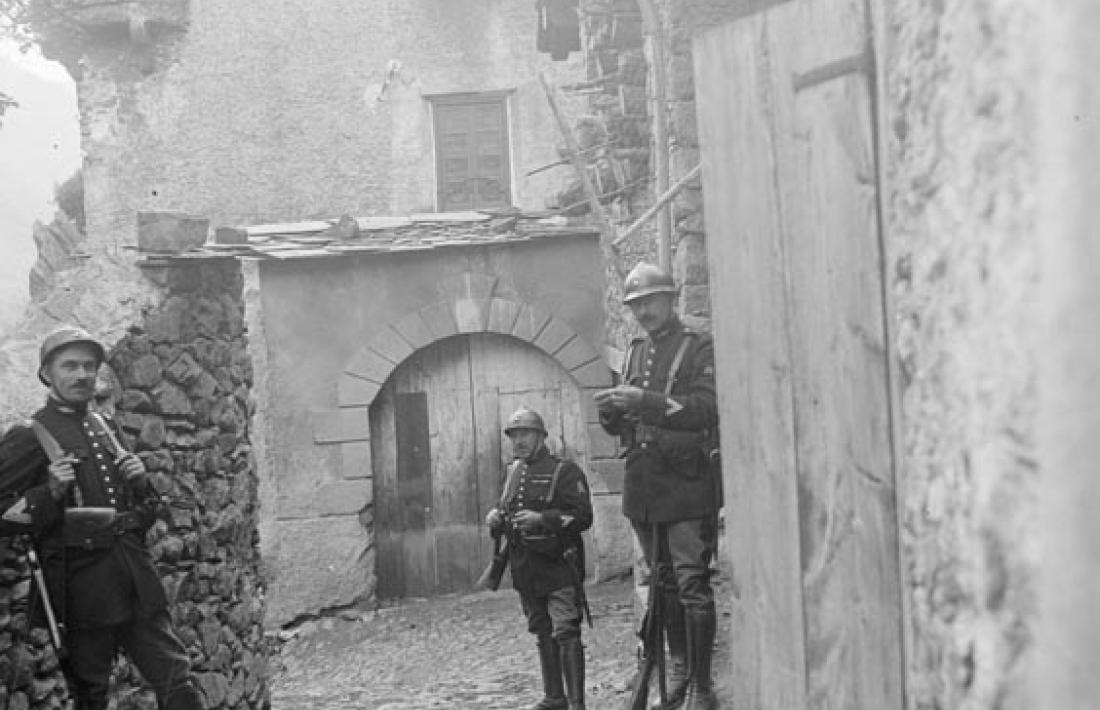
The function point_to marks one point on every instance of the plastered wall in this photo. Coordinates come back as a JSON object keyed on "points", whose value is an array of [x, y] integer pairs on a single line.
{"points": [[281, 111], [960, 139]]}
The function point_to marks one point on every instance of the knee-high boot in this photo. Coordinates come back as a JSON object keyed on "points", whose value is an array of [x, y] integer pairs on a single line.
{"points": [[572, 665], [700, 624], [676, 634], [550, 663]]}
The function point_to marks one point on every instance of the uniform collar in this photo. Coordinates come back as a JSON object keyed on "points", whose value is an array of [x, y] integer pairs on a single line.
{"points": [[542, 453], [73, 410], [671, 327]]}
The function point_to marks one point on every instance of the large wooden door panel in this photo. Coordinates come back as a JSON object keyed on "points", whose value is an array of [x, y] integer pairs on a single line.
{"points": [[785, 113]]}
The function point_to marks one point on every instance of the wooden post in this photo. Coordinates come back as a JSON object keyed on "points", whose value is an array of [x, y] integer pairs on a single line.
{"points": [[573, 150], [658, 101]]}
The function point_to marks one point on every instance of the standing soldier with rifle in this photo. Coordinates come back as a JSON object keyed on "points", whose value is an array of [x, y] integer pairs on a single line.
{"points": [[66, 480], [543, 510], [666, 414]]}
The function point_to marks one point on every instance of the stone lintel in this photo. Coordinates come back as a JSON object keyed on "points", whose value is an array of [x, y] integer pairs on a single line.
{"points": [[502, 315], [390, 345], [471, 315]]}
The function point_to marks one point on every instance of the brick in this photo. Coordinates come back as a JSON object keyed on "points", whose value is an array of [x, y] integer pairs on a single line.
{"points": [[369, 365], [414, 330], [356, 459], [390, 345], [502, 315], [440, 320], [554, 336], [471, 315], [332, 426], [352, 391]]}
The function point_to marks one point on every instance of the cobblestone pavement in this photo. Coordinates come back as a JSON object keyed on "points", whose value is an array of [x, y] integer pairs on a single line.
{"points": [[464, 651]]}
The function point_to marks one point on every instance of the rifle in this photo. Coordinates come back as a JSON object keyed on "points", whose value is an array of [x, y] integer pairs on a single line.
{"points": [[494, 571], [571, 558], [51, 620], [652, 654]]}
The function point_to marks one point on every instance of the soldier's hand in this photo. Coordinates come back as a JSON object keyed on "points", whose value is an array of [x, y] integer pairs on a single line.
{"points": [[624, 397], [527, 519], [132, 470], [61, 476], [494, 519], [603, 401]]}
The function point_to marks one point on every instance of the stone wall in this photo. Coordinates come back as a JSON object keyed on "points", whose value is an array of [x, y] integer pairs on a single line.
{"points": [[621, 79], [960, 136], [181, 381]]}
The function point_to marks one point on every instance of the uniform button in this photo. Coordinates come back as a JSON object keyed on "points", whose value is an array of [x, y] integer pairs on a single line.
{"points": [[645, 445], [95, 444]]}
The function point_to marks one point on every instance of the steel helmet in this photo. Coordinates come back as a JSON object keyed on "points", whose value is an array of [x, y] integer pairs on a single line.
{"points": [[525, 418], [62, 337], [645, 279]]}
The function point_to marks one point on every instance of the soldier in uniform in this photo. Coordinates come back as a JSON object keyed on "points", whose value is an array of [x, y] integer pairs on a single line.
{"points": [[65, 480], [543, 510], [665, 413]]}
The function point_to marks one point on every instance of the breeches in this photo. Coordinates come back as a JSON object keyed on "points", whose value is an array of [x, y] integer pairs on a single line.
{"points": [[151, 645], [687, 547], [555, 614]]}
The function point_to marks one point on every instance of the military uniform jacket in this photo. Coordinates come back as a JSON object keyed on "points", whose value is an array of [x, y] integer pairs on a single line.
{"points": [[89, 587], [536, 558], [667, 474]]}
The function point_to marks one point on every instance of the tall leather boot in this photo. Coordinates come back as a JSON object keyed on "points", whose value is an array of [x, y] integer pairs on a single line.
{"points": [[676, 634], [700, 624], [572, 664], [550, 663]]}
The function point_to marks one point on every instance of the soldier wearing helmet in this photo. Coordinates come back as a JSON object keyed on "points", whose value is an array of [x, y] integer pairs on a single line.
{"points": [[66, 481], [542, 511], [665, 413]]}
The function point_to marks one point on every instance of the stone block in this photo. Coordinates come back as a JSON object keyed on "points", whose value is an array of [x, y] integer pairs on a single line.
{"points": [[356, 460], [344, 497], [502, 315], [600, 443], [390, 345], [529, 323], [576, 353], [170, 231], [478, 287], [305, 577], [414, 330], [352, 391], [594, 374], [554, 336], [606, 475], [440, 320], [333, 426], [471, 315], [613, 539], [369, 365]]}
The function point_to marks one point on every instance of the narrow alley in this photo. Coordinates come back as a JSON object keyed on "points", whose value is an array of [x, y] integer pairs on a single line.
{"points": [[457, 651]]}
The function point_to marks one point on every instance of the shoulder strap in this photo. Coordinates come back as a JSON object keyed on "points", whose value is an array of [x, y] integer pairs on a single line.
{"points": [[510, 482], [677, 360], [99, 423], [47, 441], [554, 481]]}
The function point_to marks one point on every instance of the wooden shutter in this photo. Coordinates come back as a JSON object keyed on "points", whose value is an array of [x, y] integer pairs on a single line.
{"points": [[472, 153], [786, 116]]}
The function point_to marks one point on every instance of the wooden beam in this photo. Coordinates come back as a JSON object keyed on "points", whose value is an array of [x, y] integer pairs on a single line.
{"points": [[573, 151], [659, 204], [655, 30]]}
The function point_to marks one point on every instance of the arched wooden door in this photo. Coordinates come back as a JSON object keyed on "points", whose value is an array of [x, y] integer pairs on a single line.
{"points": [[439, 454]]}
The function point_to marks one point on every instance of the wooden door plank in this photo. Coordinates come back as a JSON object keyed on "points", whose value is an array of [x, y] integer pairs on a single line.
{"points": [[389, 560], [741, 124], [845, 468], [414, 490]]}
